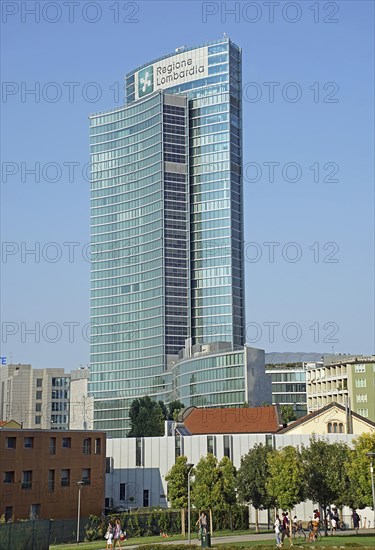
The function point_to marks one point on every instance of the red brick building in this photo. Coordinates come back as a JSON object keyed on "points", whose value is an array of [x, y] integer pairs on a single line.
{"points": [[40, 471]]}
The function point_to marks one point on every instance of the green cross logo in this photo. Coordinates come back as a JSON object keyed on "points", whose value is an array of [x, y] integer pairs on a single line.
{"points": [[145, 81]]}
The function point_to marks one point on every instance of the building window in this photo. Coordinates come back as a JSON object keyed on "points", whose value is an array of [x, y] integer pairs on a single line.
{"points": [[65, 478], [27, 479], [39, 382], [122, 491], [177, 446], [363, 412], [269, 440], [51, 481], [361, 398], [87, 446], [86, 476], [98, 446], [8, 477], [108, 465], [228, 446], [38, 407], [360, 383], [66, 442], [146, 498], [38, 419], [52, 445], [211, 444], [38, 395], [360, 368], [11, 442], [34, 511], [28, 442], [8, 516], [138, 452], [335, 427]]}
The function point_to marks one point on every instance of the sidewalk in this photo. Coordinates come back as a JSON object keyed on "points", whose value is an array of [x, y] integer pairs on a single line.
{"points": [[253, 537]]}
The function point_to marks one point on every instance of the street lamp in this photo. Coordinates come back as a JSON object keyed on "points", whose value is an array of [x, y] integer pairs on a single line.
{"points": [[371, 455], [79, 483], [190, 466]]}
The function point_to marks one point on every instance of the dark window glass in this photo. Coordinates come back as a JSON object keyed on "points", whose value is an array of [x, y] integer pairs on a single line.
{"points": [[11, 442]]}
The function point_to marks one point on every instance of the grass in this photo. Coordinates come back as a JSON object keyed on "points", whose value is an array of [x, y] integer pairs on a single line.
{"points": [[346, 542]]}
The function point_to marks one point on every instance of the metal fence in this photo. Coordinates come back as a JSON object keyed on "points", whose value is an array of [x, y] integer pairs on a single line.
{"points": [[39, 534]]}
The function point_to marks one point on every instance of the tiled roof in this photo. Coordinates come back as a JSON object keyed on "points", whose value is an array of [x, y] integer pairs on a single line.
{"points": [[314, 414], [232, 420]]}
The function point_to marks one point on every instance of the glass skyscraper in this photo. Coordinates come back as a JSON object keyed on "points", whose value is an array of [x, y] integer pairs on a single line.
{"points": [[166, 226]]}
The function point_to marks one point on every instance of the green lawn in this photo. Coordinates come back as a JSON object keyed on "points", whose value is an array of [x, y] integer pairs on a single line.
{"points": [[343, 542]]}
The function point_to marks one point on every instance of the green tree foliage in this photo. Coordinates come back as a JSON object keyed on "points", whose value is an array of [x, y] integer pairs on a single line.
{"points": [[146, 418], [227, 481], [252, 479], [286, 477], [213, 484], [324, 465], [358, 470], [177, 479], [287, 413], [174, 408]]}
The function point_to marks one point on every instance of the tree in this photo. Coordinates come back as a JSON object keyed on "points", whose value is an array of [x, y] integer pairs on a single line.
{"points": [[177, 479], [358, 469], [206, 488], [324, 465], [288, 413], [252, 479], [174, 409], [227, 481], [146, 418], [286, 477]]}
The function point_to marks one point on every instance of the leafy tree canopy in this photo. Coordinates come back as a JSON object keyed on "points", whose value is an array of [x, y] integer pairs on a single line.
{"points": [[286, 477], [206, 488], [177, 479], [252, 477], [288, 413], [146, 418], [358, 469]]}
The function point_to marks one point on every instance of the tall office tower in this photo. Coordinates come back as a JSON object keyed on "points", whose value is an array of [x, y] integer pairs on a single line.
{"points": [[166, 224]]}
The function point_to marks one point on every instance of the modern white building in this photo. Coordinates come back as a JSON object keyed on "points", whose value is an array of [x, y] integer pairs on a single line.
{"points": [[36, 398], [136, 467]]}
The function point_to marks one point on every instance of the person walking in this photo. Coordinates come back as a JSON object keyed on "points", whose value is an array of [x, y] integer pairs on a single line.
{"points": [[286, 529], [356, 520], [117, 534], [109, 537], [277, 526]]}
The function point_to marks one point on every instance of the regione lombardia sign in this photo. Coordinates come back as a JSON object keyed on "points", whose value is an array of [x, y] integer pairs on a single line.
{"points": [[178, 69]]}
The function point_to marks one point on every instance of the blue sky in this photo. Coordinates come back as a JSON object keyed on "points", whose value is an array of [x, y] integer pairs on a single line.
{"points": [[311, 287]]}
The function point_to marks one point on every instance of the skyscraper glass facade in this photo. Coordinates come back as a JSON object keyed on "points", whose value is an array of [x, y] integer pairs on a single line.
{"points": [[166, 225]]}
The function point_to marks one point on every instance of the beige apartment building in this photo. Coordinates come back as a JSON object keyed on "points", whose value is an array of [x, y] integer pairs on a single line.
{"points": [[346, 380], [36, 398]]}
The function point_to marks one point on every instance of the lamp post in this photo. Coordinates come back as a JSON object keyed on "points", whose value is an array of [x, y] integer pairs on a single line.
{"points": [[190, 466], [79, 483], [371, 455]]}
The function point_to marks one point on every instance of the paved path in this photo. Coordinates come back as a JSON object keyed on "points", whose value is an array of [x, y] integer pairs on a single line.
{"points": [[253, 537]]}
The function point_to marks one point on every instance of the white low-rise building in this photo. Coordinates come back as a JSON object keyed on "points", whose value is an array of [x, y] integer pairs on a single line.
{"points": [[136, 467]]}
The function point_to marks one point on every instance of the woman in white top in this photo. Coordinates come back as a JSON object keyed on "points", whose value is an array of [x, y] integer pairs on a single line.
{"points": [[277, 526]]}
